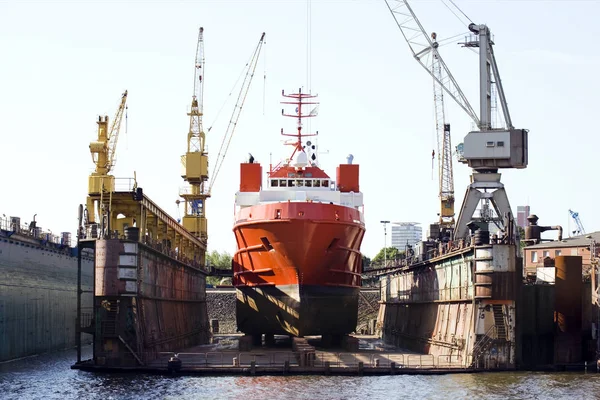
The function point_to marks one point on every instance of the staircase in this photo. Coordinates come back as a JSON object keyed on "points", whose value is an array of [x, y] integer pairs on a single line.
{"points": [[499, 321], [109, 323]]}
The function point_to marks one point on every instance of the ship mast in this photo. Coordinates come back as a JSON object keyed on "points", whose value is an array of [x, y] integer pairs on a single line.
{"points": [[299, 100]]}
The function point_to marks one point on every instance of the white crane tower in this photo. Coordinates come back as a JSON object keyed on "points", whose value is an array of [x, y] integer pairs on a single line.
{"points": [[490, 147]]}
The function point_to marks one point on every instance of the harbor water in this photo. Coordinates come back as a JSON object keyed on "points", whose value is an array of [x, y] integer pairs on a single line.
{"points": [[49, 377]]}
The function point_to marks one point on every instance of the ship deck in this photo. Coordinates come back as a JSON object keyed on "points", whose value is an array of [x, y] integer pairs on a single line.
{"points": [[223, 357]]}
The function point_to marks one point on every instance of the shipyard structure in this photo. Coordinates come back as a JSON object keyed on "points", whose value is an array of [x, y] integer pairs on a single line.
{"points": [[150, 269], [38, 289], [455, 295]]}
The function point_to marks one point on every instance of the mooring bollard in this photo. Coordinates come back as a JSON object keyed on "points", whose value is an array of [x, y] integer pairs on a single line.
{"points": [[174, 364], [252, 367], [286, 366]]}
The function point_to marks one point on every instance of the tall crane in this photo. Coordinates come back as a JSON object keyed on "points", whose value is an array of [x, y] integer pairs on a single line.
{"points": [[103, 152], [575, 215], [195, 161], [486, 149], [445, 176]]}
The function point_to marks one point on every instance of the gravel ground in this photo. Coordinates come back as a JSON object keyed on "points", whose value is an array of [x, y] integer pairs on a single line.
{"points": [[221, 306]]}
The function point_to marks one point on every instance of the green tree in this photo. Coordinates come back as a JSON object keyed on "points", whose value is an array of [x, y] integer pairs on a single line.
{"points": [[390, 253], [218, 261]]}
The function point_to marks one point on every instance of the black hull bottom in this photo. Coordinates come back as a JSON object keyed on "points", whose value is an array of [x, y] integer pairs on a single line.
{"points": [[297, 310]]}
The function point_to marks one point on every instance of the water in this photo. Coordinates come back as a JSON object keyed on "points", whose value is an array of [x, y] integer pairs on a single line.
{"points": [[50, 377]]}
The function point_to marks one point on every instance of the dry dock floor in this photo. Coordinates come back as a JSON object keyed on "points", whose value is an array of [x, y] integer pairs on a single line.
{"points": [[223, 357]]}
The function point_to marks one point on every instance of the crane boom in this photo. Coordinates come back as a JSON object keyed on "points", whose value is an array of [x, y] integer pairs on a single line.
{"points": [[446, 177], [195, 161], [104, 149], [237, 110], [425, 51], [196, 132], [113, 133]]}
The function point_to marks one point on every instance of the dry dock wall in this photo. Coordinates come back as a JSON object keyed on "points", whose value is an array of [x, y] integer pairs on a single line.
{"points": [[146, 302], [38, 299], [459, 307]]}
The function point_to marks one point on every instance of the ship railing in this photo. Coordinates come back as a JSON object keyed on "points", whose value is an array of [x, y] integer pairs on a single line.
{"points": [[450, 361], [125, 184]]}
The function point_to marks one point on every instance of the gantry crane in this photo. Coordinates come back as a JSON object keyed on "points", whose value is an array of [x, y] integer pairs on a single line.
{"points": [[195, 161], [445, 175], [487, 149], [104, 156], [575, 215]]}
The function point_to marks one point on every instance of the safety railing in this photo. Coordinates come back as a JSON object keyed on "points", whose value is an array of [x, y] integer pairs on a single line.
{"points": [[317, 360]]}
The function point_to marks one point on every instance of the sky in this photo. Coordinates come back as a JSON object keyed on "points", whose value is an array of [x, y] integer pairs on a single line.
{"points": [[65, 63]]}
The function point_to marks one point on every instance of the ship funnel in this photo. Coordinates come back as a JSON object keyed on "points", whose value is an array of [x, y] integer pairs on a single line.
{"points": [[349, 158]]}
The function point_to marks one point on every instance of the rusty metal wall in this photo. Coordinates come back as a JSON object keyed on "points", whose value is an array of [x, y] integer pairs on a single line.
{"points": [[430, 328], [568, 293], [158, 304], [448, 280], [568, 309], [535, 326]]}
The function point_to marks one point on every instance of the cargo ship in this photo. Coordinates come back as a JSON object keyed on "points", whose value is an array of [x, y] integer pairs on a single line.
{"points": [[297, 267], [38, 289]]}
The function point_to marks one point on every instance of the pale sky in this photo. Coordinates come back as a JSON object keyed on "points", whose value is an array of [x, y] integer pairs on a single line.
{"points": [[65, 63]]}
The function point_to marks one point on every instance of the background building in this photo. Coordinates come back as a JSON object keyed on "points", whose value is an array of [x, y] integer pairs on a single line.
{"points": [[535, 256], [522, 213], [406, 232]]}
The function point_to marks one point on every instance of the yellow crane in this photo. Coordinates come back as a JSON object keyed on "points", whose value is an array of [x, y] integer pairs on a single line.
{"points": [[195, 161], [103, 154]]}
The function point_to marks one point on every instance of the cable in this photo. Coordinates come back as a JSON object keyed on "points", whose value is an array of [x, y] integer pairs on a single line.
{"points": [[229, 95], [461, 11], [452, 11]]}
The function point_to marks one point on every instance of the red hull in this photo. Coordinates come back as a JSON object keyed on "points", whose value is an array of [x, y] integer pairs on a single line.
{"points": [[309, 244], [286, 252]]}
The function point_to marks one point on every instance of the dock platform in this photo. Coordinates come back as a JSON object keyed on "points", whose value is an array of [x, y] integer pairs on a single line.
{"points": [[223, 357]]}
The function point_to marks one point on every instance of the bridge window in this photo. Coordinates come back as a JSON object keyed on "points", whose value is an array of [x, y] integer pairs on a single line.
{"points": [[300, 183], [317, 183], [308, 183], [274, 182], [291, 183], [282, 183], [325, 183]]}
